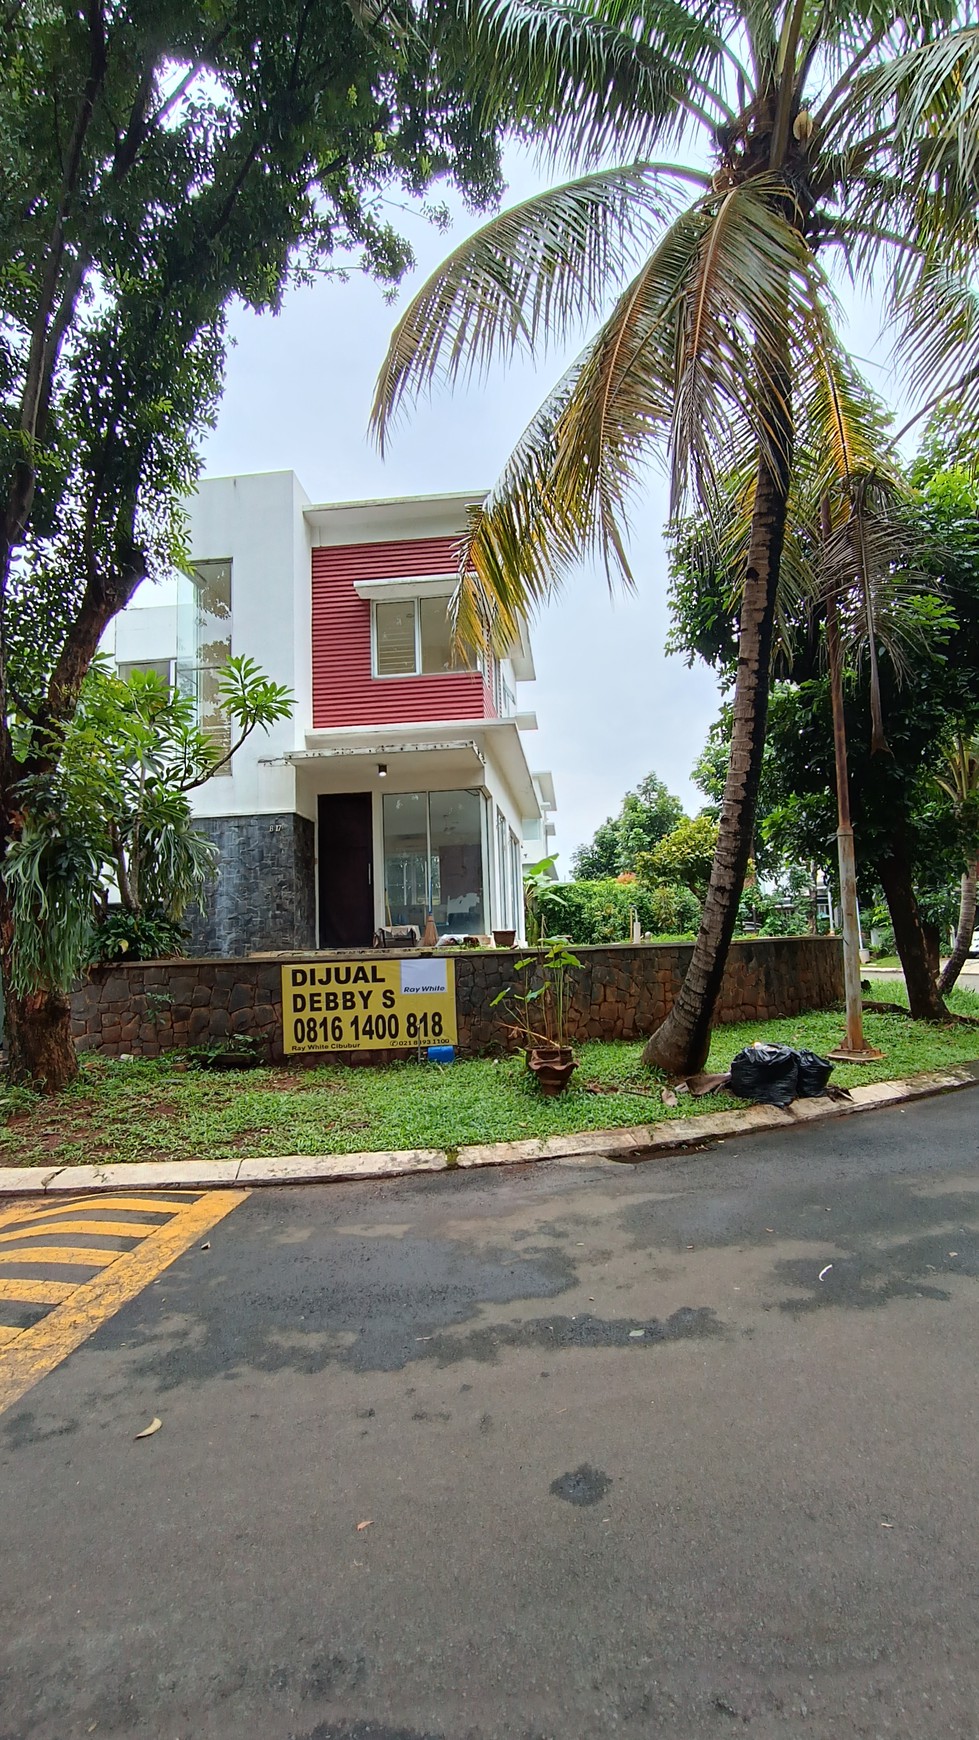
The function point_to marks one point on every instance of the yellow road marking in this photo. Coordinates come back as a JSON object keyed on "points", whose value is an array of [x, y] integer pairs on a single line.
{"points": [[116, 1229], [8, 1334], [145, 1205], [95, 1258], [37, 1351], [37, 1292]]}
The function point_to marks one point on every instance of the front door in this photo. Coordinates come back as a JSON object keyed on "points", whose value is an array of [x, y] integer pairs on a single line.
{"points": [[346, 860]]}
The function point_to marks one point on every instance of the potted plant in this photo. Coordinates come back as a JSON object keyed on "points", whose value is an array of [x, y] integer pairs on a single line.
{"points": [[539, 1012]]}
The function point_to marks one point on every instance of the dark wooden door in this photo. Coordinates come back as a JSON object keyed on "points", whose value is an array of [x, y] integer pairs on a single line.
{"points": [[346, 859]]}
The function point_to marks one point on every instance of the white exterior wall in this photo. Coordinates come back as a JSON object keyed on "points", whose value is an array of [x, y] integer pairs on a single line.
{"points": [[258, 522], [142, 633]]}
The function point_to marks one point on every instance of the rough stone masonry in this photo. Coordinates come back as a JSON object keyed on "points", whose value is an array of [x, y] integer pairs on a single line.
{"points": [[621, 991]]}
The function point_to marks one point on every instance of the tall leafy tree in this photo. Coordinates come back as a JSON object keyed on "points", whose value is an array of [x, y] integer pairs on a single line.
{"points": [[646, 815], [901, 707], [832, 133], [598, 860], [161, 160]]}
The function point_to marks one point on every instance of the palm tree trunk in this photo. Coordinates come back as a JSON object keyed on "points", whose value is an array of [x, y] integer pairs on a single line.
{"points": [[681, 1044], [966, 927], [920, 976]]}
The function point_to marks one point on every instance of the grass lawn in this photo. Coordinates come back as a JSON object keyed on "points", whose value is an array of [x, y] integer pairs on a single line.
{"points": [[120, 1111]]}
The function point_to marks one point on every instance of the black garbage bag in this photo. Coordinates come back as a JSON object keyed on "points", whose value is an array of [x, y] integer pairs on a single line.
{"points": [[767, 1074], [814, 1073]]}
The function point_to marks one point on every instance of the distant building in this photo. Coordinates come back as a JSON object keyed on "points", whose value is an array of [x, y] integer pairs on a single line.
{"points": [[400, 787]]}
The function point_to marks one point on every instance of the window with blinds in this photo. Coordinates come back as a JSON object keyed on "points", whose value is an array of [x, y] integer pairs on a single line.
{"points": [[413, 637], [394, 639]]}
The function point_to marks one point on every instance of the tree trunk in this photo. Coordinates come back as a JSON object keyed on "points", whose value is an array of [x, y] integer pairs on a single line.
{"points": [[40, 1049], [924, 996], [963, 935], [681, 1044], [37, 1030]]}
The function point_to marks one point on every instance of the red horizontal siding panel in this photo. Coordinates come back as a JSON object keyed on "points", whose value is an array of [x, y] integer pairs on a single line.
{"points": [[344, 691]]}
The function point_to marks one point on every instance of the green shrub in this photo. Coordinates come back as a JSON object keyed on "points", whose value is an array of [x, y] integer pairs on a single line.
{"points": [[133, 936], [765, 912], [674, 910], [599, 912]]}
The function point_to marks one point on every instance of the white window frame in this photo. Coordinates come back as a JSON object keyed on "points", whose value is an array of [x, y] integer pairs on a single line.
{"points": [[416, 599], [146, 664], [394, 676]]}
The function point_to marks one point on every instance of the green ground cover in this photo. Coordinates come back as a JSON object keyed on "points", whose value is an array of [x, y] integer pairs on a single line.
{"points": [[123, 1111]]}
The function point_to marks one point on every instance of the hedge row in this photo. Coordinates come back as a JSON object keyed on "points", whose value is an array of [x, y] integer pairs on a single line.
{"points": [[600, 912]]}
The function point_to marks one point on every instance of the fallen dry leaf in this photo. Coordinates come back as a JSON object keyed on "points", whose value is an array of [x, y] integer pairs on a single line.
{"points": [[668, 1097], [368, 1523], [154, 1426], [699, 1085]]}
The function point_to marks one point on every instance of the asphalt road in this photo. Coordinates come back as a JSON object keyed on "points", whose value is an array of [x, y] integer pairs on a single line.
{"points": [[635, 1460]]}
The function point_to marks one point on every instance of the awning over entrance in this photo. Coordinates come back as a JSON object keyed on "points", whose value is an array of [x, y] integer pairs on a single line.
{"points": [[452, 754]]}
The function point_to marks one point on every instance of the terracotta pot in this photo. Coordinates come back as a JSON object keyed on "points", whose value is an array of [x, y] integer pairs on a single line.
{"points": [[504, 939], [553, 1066]]}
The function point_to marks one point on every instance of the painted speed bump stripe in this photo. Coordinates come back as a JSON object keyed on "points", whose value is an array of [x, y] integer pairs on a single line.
{"points": [[117, 1229], [62, 1255], [37, 1292], [169, 1204], [30, 1354]]}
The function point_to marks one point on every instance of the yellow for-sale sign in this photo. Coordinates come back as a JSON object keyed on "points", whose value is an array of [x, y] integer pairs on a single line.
{"points": [[368, 1004]]}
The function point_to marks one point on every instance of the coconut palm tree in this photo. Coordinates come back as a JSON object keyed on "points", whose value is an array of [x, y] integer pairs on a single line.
{"points": [[722, 340]]}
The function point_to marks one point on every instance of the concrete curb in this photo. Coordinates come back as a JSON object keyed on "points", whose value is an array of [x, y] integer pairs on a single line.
{"points": [[634, 1145]]}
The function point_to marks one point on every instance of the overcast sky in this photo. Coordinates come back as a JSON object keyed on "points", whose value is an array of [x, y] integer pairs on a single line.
{"points": [[610, 704]]}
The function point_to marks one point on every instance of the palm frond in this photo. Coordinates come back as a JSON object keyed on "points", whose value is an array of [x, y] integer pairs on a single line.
{"points": [[843, 429], [677, 364], [748, 313], [527, 275], [589, 79], [937, 343], [962, 761], [934, 90], [523, 540]]}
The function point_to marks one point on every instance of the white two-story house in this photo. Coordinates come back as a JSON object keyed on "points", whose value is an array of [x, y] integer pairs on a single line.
{"points": [[400, 786]]}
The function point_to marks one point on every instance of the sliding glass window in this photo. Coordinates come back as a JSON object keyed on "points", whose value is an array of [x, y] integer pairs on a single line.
{"points": [[433, 861]]}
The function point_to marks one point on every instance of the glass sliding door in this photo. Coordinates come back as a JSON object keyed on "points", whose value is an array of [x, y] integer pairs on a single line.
{"points": [[433, 861], [406, 888], [457, 862]]}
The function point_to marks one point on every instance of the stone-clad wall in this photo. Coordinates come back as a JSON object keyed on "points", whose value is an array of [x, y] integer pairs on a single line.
{"points": [[620, 992], [264, 894], [624, 991]]}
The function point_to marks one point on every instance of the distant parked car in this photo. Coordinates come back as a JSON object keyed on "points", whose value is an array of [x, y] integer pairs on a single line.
{"points": [[974, 950]]}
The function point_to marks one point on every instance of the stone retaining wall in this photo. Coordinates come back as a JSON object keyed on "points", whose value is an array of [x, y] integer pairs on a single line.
{"points": [[620, 992]]}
